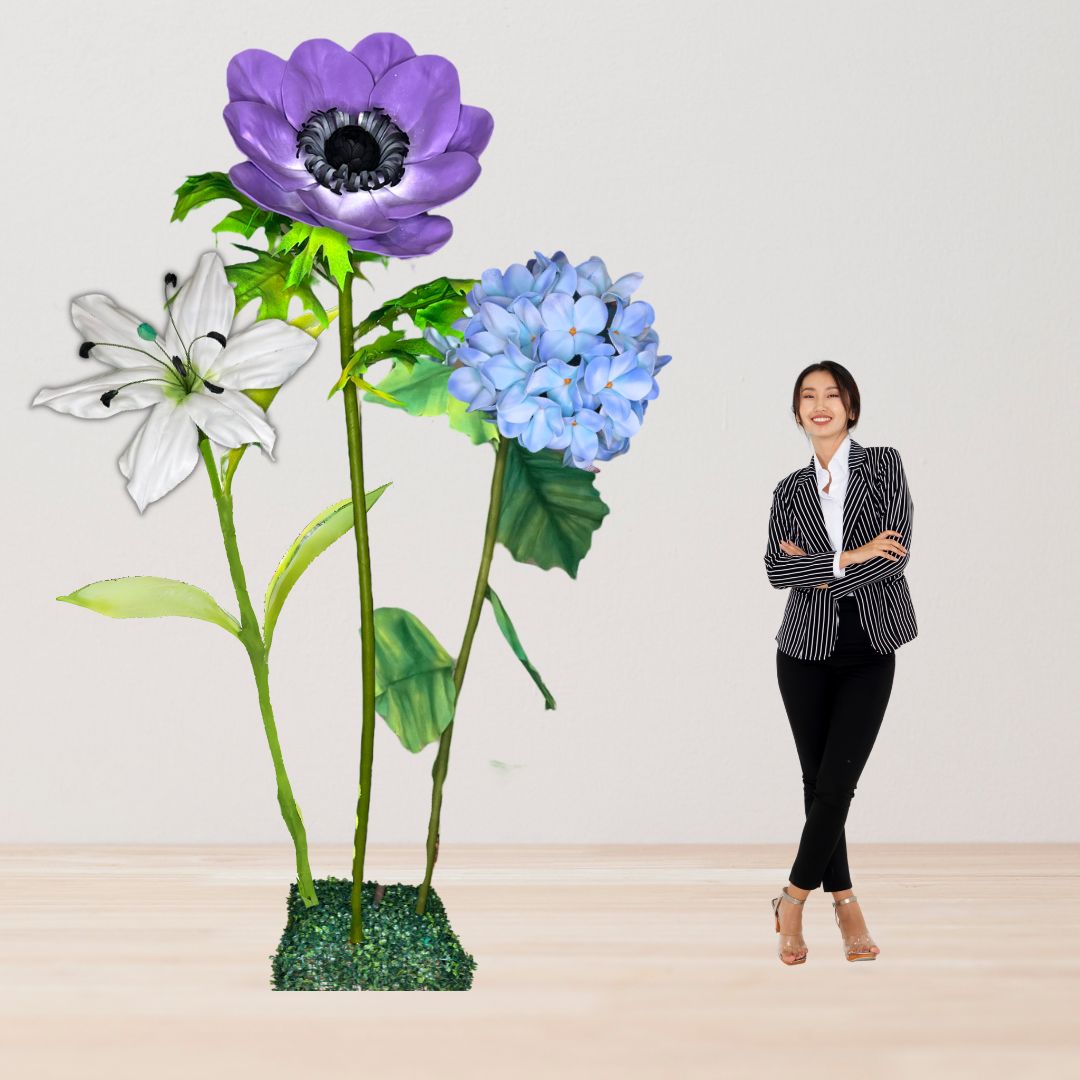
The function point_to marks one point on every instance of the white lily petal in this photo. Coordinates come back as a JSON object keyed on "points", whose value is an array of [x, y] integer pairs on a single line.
{"points": [[99, 320], [164, 451], [230, 418], [264, 356], [84, 398], [205, 303]]}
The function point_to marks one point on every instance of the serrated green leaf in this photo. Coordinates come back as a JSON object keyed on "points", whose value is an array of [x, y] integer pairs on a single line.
{"points": [[151, 598], [198, 190], [422, 391], [265, 279], [414, 679], [441, 315], [548, 512], [313, 242], [438, 299], [332, 524], [508, 632]]}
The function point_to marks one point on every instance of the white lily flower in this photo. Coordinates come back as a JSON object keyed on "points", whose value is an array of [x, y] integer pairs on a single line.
{"points": [[190, 378]]}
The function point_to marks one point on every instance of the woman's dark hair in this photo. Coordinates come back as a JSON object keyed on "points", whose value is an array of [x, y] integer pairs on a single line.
{"points": [[845, 382]]}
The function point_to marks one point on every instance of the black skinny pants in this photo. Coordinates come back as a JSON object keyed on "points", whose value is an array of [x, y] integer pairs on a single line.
{"points": [[835, 707]]}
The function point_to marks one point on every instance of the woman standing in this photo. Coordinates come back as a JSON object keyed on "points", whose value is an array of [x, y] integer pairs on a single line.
{"points": [[838, 539]]}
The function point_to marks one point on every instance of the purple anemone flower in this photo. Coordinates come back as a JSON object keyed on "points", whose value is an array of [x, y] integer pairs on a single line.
{"points": [[364, 142]]}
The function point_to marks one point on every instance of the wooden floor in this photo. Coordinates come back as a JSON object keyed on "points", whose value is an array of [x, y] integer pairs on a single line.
{"points": [[607, 963]]}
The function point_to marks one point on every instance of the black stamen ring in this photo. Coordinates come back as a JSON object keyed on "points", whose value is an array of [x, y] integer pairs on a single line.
{"points": [[84, 349]]}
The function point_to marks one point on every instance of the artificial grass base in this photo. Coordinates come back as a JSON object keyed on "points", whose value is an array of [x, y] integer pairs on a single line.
{"points": [[400, 951]]}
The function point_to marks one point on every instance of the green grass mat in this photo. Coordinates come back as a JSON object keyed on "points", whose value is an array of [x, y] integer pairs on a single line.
{"points": [[401, 950]]}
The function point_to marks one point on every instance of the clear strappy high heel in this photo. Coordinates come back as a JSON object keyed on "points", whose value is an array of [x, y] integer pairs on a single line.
{"points": [[788, 942], [857, 946]]}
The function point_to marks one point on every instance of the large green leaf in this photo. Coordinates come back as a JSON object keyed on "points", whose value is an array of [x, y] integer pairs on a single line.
{"points": [[332, 524], [437, 303], [265, 279], [508, 632], [422, 391], [151, 598], [549, 512], [414, 679]]}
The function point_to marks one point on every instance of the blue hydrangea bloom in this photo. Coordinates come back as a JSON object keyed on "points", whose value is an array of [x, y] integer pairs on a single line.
{"points": [[558, 355]]}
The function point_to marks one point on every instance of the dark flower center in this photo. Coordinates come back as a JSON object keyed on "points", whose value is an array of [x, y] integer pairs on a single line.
{"points": [[350, 152]]}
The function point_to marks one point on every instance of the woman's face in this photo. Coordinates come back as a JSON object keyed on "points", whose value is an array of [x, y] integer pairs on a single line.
{"points": [[821, 409]]}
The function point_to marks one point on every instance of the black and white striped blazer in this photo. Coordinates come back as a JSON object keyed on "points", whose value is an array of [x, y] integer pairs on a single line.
{"points": [[877, 499]]}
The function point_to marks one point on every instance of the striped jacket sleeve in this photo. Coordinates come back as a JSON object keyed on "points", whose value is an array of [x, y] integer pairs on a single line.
{"points": [[898, 517], [792, 571]]}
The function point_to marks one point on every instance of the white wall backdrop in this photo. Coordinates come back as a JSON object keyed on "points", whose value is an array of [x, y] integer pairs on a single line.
{"points": [[893, 186]]}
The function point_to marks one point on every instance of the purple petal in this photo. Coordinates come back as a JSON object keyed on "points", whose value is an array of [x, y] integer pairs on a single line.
{"points": [[255, 75], [473, 131], [420, 235], [380, 52], [427, 184], [259, 188], [261, 132], [321, 75], [423, 99], [353, 213]]}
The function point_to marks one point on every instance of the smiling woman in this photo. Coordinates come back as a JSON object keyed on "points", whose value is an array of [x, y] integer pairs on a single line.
{"points": [[837, 539]]}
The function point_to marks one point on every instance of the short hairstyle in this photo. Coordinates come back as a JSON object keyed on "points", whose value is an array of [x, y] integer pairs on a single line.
{"points": [[845, 382]]}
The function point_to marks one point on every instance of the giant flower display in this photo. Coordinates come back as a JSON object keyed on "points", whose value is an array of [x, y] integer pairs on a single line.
{"points": [[363, 142], [190, 377], [558, 356]]}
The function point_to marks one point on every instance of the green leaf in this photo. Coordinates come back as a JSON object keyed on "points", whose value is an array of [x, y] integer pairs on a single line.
{"points": [[437, 303], [313, 242], [198, 190], [266, 279], [548, 512], [151, 598], [332, 524], [508, 632], [414, 679], [422, 391]]}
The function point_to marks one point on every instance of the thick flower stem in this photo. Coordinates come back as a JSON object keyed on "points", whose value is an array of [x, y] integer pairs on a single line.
{"points": [[442, 758], [367, 617], [251, 638]]}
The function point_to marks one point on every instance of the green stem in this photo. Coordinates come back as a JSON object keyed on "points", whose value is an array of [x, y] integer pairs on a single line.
{"points": [[251, 638], [442, 758], [367, 617]]}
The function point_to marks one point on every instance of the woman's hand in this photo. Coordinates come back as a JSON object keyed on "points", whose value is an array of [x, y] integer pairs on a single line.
{"points": [[882, 546], [788, 548]]}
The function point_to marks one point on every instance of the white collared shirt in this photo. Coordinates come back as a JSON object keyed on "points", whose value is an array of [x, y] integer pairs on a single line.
{"points": [[832, 503]]}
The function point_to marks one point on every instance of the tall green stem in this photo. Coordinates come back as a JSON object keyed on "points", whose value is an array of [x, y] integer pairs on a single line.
{"points": [[442, 758], [251, 638], [367, 617]]}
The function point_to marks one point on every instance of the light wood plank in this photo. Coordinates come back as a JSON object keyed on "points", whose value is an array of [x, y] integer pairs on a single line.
{"points": [[595, 963]]}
